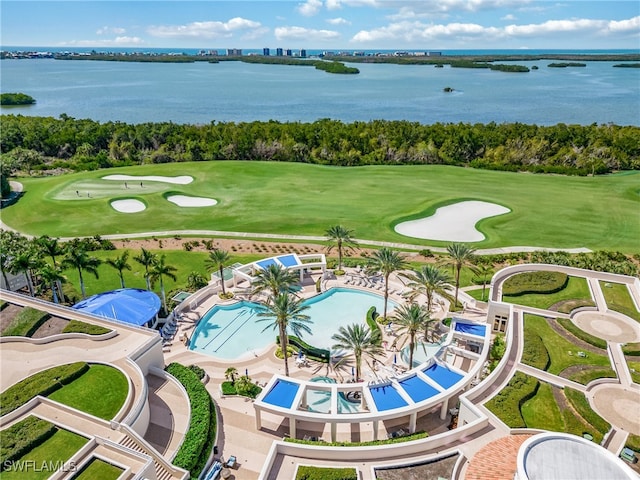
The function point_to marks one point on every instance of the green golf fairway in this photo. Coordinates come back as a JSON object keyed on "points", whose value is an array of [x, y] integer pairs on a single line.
{"points": [[298, 199]]}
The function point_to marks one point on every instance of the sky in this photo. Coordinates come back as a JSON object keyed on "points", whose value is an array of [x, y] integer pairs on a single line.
{"points": [[324, 24]]}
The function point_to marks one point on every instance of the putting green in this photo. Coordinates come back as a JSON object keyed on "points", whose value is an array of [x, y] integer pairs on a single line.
{"points": [[299, 199]]}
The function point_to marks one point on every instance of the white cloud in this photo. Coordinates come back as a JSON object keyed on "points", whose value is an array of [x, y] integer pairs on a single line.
{"points": [[410, 31], [204, 29], [307, 34], [117, 41], [309, 8], [338, 21], [333, 4], [114, 30], [508, 18]]}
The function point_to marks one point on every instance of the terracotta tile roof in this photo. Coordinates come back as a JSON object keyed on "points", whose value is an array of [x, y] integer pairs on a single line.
{"points": [[497, 460]]}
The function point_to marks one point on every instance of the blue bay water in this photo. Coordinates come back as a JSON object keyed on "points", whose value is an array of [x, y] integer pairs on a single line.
{"points": [[200, 93]]}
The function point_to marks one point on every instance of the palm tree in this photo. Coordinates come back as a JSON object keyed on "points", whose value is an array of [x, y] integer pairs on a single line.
{"points": [[412, 319], [53, 276], [275, 280], [284, 311], [340, 237], [230, 374], [428, 280], [386, 261], [196, 281], [120, 263], [217, 260], [359, 340], [53, 248], [484, 272], [158, 271], [461, 255], [77, 257], [24, 262], [5, 265], [146, 258]]}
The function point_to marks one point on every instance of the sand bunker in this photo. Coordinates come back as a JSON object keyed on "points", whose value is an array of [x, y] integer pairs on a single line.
{"points": [[181, 180], [128, 206], [453, 223], [185, 201]]}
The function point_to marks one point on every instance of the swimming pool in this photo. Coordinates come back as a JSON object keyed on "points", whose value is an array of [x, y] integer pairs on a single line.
{"points": [[421, 353], [320, 401], [231, 331]]}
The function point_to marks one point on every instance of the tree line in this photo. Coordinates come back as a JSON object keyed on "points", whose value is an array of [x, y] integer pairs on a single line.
{"points": [[36, 145]]}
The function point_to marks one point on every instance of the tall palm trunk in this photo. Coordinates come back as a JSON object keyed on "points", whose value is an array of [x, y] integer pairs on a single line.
{"points": [[84, 295], [284, 343]]}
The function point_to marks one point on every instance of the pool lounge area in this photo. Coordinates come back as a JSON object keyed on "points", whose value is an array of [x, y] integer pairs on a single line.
{"points": [[433, 383]]}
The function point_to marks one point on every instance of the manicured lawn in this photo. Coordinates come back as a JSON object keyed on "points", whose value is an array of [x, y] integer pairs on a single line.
{"points": [[99, 470], [25, 323], [635, 371], [477, 294], [576, 289], [52, 453], [559, 348], [619, 299], [101, 391], [294, 198], [542, 411]]}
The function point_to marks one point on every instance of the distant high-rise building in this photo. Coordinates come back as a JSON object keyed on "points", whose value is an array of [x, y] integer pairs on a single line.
{"points": [[234, 52], [266, 52], [289, 52], [278, 52], [303, 53]]}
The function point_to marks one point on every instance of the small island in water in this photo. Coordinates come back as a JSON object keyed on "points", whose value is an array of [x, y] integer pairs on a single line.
{"points": [[16, 99]]}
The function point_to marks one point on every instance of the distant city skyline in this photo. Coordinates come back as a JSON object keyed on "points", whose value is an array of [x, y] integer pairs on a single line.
{"points": [[323, 24]]}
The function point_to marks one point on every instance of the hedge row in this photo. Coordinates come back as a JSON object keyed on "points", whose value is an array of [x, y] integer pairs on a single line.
{"points": [[42, 383], [534, 352], [202, 409], [306, 472], [535, 282], [374, 326], [314, 353], [211, 438], [631, 349], [370, 443], [22, 437], [581, 334], [507, 403], [581, 405], [76, 326]]}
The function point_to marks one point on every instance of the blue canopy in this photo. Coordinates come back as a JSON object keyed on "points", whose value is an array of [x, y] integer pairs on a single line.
{"points": [[129, 305]]}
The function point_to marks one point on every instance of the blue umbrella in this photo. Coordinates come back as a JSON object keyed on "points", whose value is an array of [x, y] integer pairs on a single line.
{"points": [[246, 372], [395, 358]]}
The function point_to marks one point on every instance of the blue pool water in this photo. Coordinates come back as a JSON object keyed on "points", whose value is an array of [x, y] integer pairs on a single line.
{"points": [[387, 398], [421, 353], [442, 376], [282, 394], [418, 389], [320, 401], [231, 331], [473, 329], [288, 260]]}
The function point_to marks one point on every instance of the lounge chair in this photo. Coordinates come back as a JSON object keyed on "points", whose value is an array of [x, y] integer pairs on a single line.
{"points": [[231, 462]]}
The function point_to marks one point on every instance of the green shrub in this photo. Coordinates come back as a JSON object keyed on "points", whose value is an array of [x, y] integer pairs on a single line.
{"points": [[633, 442], [291, 351], [535, 282], [16, 99], [581, 334], [25, 323], [76, 326], [307, 472], [22, 437], [199, 371], [252, 390], [201, 412], [535, 353], [313, 353], [581, 405], [384, 441], [42, 383], [210, 441], [506, 404], [374, 326]]}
